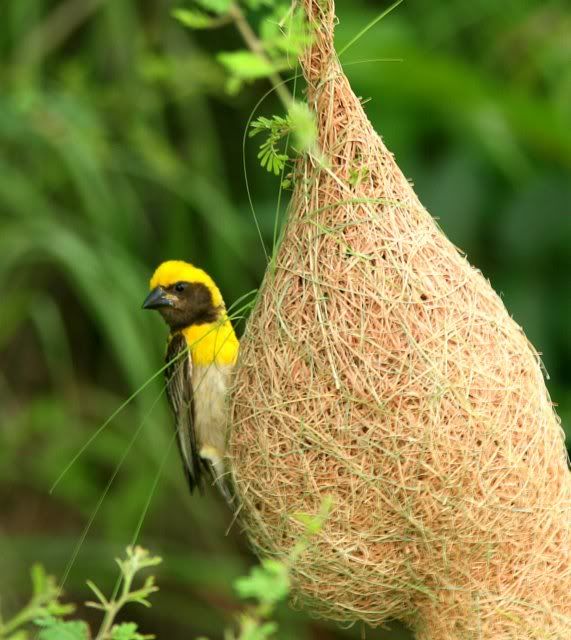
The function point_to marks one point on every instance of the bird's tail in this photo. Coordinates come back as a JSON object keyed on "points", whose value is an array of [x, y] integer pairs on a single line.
{"points": [[215, 463]]}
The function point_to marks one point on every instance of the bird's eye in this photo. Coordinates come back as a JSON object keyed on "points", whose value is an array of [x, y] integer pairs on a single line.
{"points": [[180, 286]]}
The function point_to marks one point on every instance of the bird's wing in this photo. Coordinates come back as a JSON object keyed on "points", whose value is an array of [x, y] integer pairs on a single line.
{"points": [[181, 399]]}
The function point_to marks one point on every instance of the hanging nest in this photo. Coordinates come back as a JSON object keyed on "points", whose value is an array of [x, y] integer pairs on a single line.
{"points": [[381, 369]]}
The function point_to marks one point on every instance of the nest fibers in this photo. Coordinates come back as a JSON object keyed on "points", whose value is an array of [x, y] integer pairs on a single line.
{"points": [[381, 369]]}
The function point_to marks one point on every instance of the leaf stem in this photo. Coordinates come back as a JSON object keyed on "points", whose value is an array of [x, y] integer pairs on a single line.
{"points": [[113, 607], [19, 620], [137, 559]]}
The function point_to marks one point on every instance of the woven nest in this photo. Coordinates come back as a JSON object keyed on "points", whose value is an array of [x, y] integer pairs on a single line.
{"points": [[381, 369]]}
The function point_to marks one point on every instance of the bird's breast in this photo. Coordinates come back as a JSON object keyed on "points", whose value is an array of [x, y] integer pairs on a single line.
{"points": [[210, 385]]}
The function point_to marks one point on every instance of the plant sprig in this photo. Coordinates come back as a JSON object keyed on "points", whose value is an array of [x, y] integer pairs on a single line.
{"points": [[137, 559], [275, 129], [43, 604], [282, 36], [269, 583], [47, 612], [299, 122]]}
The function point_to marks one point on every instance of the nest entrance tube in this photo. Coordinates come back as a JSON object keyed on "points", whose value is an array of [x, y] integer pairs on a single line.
{"points": [[381, 369]]}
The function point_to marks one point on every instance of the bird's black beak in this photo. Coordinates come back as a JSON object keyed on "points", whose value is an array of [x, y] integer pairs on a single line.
{"points": [[157, 298]]}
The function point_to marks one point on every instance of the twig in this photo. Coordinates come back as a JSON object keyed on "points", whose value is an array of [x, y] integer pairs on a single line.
{"points": [[254, 44]]}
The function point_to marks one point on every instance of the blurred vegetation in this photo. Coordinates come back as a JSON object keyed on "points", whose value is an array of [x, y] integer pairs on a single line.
{"points": [[120, 147]]}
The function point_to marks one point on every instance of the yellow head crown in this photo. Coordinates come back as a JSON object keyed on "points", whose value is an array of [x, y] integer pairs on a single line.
{"points": [[173, 271]]}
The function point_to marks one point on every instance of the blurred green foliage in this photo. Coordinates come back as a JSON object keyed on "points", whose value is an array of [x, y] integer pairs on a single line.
{"points": [[120, 147]]}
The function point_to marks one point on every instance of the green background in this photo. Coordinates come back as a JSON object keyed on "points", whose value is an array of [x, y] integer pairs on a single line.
{"points": [[120, 148]]}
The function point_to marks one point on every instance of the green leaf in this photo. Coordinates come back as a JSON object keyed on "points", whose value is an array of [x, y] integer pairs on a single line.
{"points": [[40, 582], [58, 609], [303, 125], [252, 629], [246, 65], [286, 32], [310, 522], [314, 523], [45, 621], [194, 19], [19, 635], [275, 128], [233, 85], [216, 6], [137, 559], [60, 630], [98, 594], [257, 4], [126, 631], [259, 125], [268, 583], [357, 175]]}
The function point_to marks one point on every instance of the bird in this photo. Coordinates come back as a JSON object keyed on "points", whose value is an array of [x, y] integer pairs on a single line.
{"points": [[202, 349]]}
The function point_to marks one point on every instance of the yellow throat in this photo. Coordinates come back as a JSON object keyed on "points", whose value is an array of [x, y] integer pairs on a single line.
{"points": [[214, 342]]}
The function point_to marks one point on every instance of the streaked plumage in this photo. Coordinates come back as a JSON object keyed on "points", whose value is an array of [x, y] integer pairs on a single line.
{"points": [[201, 353]]}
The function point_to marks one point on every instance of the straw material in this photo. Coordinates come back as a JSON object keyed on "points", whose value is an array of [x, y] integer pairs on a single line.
{"points": [[381, 369]]}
